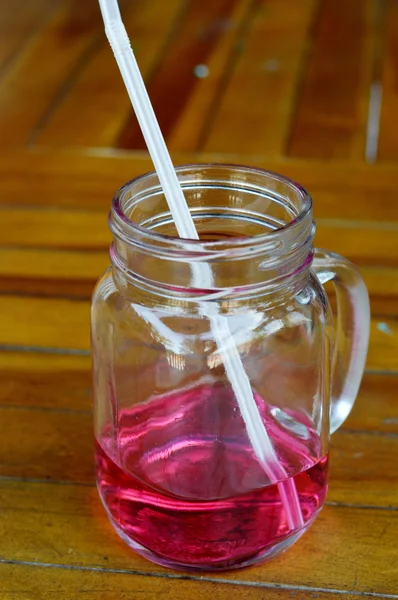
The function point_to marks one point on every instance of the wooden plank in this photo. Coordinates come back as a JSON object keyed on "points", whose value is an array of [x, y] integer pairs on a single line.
{"points": [[61, 229], [45, 322], [376, 406], [382, 354], [65, 178], [189, 129], [97, 107], [200, 30], [254, 113], [388, 136], [364, 466], [38, 76], [88, 230], [331, 116], [362, 243], [51, 272], [48, 381], [382, 284], [88, 181], [17, 23], [361, 463], [46, 583], [64, 323], [48, 445], [62, 382], [67, 525], [54, 517], [47, 287]]}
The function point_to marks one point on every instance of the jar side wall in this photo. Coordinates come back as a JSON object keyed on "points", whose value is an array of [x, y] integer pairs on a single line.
{"points": [[102, 354], [143, 353]]}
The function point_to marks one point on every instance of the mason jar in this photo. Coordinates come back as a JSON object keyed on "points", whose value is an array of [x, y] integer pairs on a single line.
{"points": [[219, 369]]}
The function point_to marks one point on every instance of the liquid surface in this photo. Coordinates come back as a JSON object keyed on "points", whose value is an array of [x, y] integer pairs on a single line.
{"points": [[183, 481]]}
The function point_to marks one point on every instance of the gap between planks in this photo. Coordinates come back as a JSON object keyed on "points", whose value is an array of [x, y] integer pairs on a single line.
{"points": [[185, 577], [56, 482]]}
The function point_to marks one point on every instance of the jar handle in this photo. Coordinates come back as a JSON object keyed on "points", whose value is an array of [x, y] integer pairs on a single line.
{"points": [[352, 331]]}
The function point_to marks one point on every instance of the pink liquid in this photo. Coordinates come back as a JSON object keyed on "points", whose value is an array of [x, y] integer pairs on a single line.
{"points": [[184, 488]]}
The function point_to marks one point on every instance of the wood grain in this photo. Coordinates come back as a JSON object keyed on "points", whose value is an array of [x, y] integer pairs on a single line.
{"points": [[51, 272], [60, 386], [45, 322], [199, 30], [361, 463], [96, 108], [382, 284], [88, 230], [73, 273], [287, 89], [361, 454], [45, 380], [255, 106], [375, 408], [363, 244], [64, 324], [360, 468], [382, 352], [60, 229], [46, 583], [64, 524], [331, 116], [65, 451], [388, 139], [63, 382], [34, 83], [340, 190], [189, 131], [18, 22]]}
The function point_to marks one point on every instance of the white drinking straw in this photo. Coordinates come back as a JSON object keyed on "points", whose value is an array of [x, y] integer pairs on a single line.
{"points": [[202, 275]]}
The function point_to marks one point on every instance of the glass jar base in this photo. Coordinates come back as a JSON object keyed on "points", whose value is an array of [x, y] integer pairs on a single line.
{"points": [[260, 557]]}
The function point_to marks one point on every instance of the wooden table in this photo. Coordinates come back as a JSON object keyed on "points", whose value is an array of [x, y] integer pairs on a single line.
{"points": [[289, 85]]}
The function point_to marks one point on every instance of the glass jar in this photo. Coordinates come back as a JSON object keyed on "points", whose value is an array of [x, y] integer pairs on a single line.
{"points": [[218, 371]]}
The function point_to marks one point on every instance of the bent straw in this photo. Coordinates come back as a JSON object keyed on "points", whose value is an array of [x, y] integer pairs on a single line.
{"points": [[202, 275]]}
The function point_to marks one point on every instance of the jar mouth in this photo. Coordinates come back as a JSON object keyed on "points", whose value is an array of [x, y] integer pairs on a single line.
{"points": [[237, 210]]}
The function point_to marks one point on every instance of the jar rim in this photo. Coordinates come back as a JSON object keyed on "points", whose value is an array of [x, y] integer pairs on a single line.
{"points": [[129, 231]]}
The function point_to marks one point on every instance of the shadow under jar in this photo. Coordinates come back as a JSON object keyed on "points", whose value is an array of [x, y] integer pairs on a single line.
{"points": [[176, 469]]}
